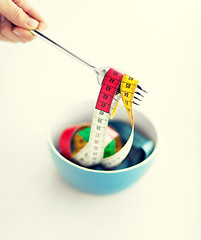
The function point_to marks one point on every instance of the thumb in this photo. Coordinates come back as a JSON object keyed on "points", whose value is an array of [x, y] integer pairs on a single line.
{"points": [[17, 16]]}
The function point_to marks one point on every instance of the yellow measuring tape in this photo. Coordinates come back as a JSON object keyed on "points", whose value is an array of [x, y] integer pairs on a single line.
{"points": [[128, 86]]}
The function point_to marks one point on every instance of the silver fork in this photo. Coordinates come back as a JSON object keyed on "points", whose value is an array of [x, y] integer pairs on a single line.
{"points": [[100, 72]]}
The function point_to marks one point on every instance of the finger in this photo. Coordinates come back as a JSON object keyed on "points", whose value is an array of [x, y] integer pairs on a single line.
{"points": [[17, 16], [42, 25], [25, 5], [7, 31], [3, 38], [23, 33]]}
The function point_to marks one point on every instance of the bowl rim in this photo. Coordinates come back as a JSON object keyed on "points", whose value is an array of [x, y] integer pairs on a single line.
{"points": [[152, 155]]}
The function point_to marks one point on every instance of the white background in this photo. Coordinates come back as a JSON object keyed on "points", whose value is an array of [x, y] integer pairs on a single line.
{"points": [[157, 42]]}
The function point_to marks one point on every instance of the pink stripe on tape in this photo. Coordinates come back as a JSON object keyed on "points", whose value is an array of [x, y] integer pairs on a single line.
{"points": [[109, 86]]}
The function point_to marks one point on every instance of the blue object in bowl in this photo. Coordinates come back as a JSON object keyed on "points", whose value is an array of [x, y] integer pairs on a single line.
{"points": [[92, 180]]}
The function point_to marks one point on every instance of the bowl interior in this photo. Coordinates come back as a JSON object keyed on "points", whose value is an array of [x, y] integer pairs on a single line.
{"points": [[76, 114]]}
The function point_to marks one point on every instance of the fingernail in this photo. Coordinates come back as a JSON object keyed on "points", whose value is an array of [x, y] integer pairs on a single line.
{"points": [[32, 23], [18, 34], [2, 18]]}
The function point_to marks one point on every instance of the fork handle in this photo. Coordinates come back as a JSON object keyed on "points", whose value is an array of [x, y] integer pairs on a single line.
{"points": [[38, 34]]}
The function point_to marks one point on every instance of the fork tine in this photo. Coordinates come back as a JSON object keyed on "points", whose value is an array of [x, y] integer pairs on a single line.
{"points": [[138, 86], [139, 94], [136, 103], [137, 99]]}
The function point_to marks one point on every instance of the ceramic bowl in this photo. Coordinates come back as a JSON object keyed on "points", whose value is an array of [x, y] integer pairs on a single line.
{"points": [[98, 181]]}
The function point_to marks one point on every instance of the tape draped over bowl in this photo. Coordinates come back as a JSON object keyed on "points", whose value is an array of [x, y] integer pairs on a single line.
{"points": [[96, 181]]}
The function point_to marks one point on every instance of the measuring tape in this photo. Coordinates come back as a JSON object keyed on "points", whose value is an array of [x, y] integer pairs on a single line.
{"points": [[91, 153], [73, 139], [113, 141]]}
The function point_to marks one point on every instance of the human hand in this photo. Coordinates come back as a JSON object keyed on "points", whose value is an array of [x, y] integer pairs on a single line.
{"points": [[17, 17]]}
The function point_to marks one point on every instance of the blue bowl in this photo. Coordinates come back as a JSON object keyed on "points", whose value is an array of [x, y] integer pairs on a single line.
{"points": [[98, 181]]}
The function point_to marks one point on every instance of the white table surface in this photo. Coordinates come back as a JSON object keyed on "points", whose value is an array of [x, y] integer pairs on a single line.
{"points": [[159, 43]]}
